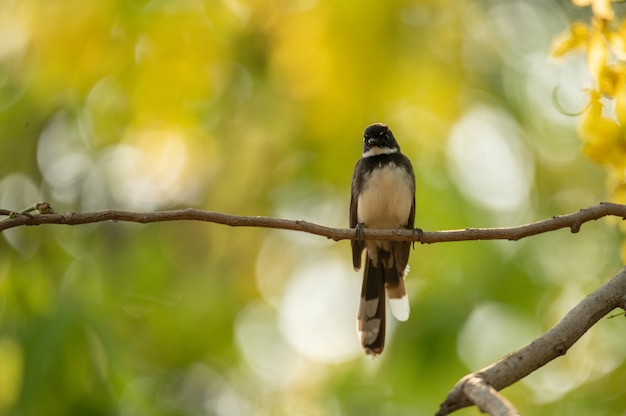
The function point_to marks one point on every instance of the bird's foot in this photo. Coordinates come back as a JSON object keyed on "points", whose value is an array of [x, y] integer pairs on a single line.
{"points": [[358, 231], [420, 233]]}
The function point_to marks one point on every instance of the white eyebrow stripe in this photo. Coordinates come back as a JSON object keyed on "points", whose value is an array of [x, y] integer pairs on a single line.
{"points": [[375, 151]]}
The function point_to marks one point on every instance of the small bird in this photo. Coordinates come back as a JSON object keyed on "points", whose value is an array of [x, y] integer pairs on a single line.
{"points": [[382, 197]]}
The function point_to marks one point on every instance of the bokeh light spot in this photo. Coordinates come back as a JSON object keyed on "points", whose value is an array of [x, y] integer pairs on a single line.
{"points": [[488, 160], [318, 312]]}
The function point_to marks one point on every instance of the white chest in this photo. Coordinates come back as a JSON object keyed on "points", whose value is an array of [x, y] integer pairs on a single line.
{"points": [[386, 198]]}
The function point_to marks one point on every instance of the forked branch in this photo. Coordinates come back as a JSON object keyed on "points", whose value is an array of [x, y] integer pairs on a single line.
{"points": [[543, 349]]}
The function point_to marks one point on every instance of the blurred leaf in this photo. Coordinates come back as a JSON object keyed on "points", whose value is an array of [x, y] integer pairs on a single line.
{"points": [[12, 363]]}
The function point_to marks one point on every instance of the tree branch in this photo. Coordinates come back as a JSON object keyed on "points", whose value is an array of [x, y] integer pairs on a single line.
{"points": [[545, 348], [572, 221], [487, 398]]}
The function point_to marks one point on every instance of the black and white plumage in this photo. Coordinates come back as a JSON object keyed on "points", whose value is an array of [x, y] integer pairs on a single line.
{"points": [[383, 197]]}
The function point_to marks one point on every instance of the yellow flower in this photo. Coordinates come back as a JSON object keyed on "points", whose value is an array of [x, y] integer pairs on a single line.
{"points": [[620, 104], [566, 42], [602, 9], [597, 53], [611, 80], [617, 40], [603, 137]]}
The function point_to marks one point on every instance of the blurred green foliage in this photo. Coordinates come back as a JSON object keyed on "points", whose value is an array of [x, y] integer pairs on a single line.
{"points": [[257, 108]]}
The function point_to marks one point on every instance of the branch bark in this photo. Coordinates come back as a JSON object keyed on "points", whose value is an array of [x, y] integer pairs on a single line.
{"points": [[545, 348], [487, 398], [572, 221]]}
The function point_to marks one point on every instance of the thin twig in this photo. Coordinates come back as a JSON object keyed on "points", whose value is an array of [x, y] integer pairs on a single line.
{"points": [[572, 221]]}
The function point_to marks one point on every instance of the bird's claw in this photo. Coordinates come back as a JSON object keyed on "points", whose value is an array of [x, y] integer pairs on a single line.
{"points": [[420, 234], [358, 231]]}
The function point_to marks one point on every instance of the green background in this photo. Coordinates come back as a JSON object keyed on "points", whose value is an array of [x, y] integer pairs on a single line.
{"points": [[258, 108]]}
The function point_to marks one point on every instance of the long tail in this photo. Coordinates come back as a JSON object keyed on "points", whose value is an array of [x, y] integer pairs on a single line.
{"points": [[371, 315]]}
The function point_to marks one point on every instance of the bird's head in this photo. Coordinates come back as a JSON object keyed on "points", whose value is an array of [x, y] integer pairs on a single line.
{"points": [[378, 139]]}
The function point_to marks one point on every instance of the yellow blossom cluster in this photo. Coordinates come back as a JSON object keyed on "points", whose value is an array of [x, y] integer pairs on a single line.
{"points": [[603, 123]]}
